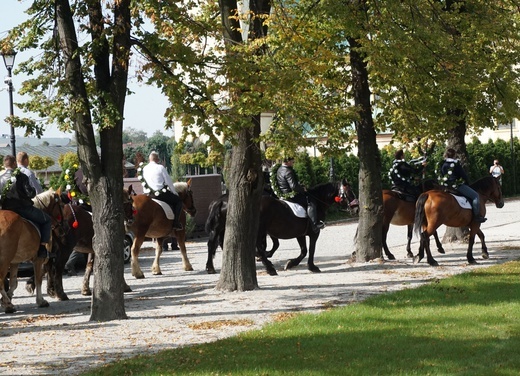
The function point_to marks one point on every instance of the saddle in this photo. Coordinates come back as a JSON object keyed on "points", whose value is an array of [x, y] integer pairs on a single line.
{"points": [[408, 197], [168, 211], [298, 210]]}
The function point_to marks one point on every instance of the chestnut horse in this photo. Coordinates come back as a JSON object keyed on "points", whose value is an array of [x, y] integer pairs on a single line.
{"points": [[435, 208], [20, 241], [78, 238], [150, 221]]}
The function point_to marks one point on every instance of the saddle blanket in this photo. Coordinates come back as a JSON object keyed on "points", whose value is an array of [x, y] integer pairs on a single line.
{"points": [[297, 209], [167, 209], [463, 202]]}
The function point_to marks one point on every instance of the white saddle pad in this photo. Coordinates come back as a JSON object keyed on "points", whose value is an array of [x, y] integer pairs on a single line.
{"points": [[166, 208], [463, 202], [297, 209]]}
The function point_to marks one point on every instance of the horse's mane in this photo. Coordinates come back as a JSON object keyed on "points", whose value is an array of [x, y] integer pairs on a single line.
{"points": [[180, 186], [324, 189], [482, 183], [43, 199]]}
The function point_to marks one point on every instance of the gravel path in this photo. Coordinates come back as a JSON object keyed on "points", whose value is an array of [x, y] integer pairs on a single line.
{"points": [[182, 308]]}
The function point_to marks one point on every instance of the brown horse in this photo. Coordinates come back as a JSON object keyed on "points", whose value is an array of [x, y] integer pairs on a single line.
{"points": [[78, 238], [19, 242], [151, 221], [435, 208], [400, 211]]}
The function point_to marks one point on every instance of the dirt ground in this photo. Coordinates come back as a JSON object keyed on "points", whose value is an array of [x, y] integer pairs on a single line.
{"points": [[182, 308]]}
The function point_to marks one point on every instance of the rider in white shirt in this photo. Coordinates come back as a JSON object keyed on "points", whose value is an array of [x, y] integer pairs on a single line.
{"points": [[158, 180]]}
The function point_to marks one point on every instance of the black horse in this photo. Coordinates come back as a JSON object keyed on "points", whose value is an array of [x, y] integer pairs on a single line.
{"points": [[215, 226], [278, 220]]}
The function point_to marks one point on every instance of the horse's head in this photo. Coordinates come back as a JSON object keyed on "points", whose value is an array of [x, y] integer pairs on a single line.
{"points": [[185, 193], [490, 188], [128, 205], [51, 202]]}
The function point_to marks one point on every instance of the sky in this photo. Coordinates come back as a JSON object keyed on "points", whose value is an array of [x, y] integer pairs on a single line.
{"points": [[144, 110]]}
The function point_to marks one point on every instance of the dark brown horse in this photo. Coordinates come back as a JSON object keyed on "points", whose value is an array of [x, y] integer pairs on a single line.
{"points": [[435, 208], [399, 210], [151, 221], [278, 220], [19, 242], [78, 238]]}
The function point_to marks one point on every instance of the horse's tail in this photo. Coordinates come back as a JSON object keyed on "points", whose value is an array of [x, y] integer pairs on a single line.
{"points": [[215, 215], [420, 217]]}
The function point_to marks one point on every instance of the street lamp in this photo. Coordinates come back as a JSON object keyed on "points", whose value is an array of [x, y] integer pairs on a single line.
{"points": [[9, 63]]}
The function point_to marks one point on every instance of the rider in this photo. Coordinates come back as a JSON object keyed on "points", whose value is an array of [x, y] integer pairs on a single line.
{"points": [[454, 176], [402, 173], [158, 180], [287, 182], [22, 160], [16, 194]]}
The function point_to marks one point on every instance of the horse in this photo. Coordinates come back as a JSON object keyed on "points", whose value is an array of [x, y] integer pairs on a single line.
{"points": [[215, 228], [278, 220], [78, 238], [20, 241], [400, 211], [435, 208], [150, 221]]}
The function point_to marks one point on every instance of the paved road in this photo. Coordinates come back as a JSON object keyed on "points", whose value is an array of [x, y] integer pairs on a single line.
{"points": [[180, 308]]}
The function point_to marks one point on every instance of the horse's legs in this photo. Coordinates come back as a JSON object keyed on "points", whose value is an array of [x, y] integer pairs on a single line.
{"points": [[261, 245], [485, 254], [276, 245], [85, 289], [38, 278], [13, 281], [385, 246], [312, 249], [213, 242], [471, 241], [425, 246], [136, 247], [303, 252], [5, 298], [181, 240], [440, 249], [156, 268], [409, 236]]}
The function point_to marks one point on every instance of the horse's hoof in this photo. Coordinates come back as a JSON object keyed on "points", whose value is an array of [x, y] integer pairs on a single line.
{"points": [[127, 289], [409, 255], [44, 304], [441, 251], [188, 269], [10, 309], [472, 262], [314, 269], [417, 259], [156, 273], [433, 263], [63, 298], [211, 270], [86, 292], [271, 271], [485, 255], [291, 264], [29, 288]]}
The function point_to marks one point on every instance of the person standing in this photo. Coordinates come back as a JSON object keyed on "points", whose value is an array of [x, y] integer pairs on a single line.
{"points": [[497, 171], [293, 191], [22, 159], [16, 195], [453, 176], [158, 180]]}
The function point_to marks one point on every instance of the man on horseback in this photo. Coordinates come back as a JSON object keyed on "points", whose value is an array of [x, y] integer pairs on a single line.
{"points": [[402, 174], [16, 195], [454, 177], [22, 160], [158, 180], [293, 191]]}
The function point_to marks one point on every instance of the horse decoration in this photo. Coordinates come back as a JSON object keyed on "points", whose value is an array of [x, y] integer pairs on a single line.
{"points": [[19, 242], [151, 221], [278, 220], [399, 210], [78, 238], [435, 208]]}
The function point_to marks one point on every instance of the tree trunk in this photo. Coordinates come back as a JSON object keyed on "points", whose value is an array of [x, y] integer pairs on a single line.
{"points": [[104, 175], [456, 141], [245, 187], [370, 227]]}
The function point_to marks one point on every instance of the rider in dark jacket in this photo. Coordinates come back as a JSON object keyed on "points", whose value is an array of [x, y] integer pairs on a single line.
{"points": [[17, 194], [293, 191], [453, 176], [402, 174]]}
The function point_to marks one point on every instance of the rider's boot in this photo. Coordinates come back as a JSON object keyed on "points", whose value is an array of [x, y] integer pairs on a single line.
{"points": [[313, 215], [177, 212], [477, 217]]}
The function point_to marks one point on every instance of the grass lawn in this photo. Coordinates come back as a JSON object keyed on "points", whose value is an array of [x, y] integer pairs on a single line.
{"points": [[468, 324]]}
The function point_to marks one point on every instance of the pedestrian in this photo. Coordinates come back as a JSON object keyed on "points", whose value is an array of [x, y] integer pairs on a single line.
{"points": [[291, 190], [497, 171], [22, 159], [453, 176]]}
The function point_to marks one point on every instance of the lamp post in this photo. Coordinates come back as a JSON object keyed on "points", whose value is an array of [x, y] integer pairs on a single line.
{"points": [[9, 63]]}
